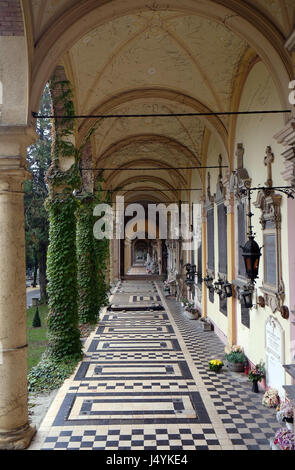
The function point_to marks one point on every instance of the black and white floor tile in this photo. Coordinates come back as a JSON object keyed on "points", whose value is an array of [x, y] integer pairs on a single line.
{"points": [[144, 383]]}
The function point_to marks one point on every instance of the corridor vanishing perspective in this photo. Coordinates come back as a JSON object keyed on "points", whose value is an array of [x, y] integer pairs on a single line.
{"points": [[144, 384], [147, 159]]}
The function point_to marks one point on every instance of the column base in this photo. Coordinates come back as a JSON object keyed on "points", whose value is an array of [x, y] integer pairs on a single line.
{"points": [[17, 439]]}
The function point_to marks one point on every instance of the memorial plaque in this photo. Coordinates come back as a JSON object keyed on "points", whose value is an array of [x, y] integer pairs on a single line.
{"points": [[274, 345], [241, 237], [270, 257], [199, 269], [222, 239], [210, 239], [245, 316], [223, 306]]}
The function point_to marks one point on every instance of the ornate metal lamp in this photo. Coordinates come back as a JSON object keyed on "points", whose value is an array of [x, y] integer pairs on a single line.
{"points": [[227, 289], [246, 295], [209, 282], [251, 250], [218, 287], [191, 270]]}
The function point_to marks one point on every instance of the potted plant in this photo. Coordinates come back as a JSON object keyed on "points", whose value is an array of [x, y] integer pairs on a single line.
{"points": [[236, 359], [285, 439], [166, 287], [256, 375], [271, 398], [285, 414], [215, 365]]}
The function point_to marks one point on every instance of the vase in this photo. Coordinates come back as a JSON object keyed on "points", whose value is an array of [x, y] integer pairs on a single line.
{"points": [[235, 366], [290, 426], [255, 388]]}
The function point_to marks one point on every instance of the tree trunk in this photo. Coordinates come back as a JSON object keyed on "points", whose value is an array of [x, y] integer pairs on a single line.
{"points": [[42, 273], [35, 273]]}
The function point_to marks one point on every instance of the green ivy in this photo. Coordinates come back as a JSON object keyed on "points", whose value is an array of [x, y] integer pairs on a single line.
{"points": [[49, 374], [102, 254], [63, 332], [87, 274]]}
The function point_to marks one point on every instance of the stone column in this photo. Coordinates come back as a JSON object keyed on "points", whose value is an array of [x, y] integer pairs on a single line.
{"points": [[15, 430], [204, 259], [127, 255], [231, 301]]}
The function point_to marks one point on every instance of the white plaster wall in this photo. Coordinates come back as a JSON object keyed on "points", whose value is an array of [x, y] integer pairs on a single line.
{"points": [[256, 133]]}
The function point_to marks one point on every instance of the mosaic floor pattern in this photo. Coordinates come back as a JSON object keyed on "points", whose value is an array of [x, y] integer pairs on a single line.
{"points": [[144, 384]]}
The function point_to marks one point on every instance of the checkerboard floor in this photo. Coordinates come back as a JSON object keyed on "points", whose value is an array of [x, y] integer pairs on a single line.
{"points": [[144, 384]]}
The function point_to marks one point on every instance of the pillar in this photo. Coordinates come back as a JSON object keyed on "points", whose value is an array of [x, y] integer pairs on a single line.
{"points": [[204, 258], [231, 301], [15, 430], [127, 257]]}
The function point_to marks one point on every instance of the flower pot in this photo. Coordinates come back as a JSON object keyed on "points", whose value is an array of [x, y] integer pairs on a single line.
{"points": [[255, 388], [235, 366], [274, 446], [289, 425]]}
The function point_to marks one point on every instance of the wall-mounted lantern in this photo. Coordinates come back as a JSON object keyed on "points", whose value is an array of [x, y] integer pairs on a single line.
{"points": [[246, 295], [251, 250], [218, 287], [227, 289], [191, 270], [209, 282]]}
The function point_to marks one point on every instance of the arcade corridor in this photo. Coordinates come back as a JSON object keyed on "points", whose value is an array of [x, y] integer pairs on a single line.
{"points": [[144, 383]]}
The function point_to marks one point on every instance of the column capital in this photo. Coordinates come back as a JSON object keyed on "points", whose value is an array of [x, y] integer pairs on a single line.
{"points": [[21, 135], [14, 141]]}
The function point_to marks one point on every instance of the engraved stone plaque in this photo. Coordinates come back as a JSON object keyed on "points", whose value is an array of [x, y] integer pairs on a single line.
{"points": [[274, 345]]}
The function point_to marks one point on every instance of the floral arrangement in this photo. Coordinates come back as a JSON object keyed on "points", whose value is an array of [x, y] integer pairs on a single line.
{"points": [[285, 412], [285, 439], [258, 373], [271, 398], [166, 285], [236, 355], [215, 364]]}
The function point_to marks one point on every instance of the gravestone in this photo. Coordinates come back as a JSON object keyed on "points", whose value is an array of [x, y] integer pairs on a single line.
{"points": [[274, 346]]}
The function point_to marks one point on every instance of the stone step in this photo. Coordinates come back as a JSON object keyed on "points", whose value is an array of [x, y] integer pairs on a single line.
{"points": [[290, 391], [290, 369]]}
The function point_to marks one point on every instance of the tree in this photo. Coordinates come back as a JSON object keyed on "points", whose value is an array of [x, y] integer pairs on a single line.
{"points": [[36, 217]]}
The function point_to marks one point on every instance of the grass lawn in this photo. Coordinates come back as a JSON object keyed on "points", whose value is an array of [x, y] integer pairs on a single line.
{"points": [[36, 336]]}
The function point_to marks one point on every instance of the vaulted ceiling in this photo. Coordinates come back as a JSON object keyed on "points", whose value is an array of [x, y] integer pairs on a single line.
{"points": [[154, 61]]}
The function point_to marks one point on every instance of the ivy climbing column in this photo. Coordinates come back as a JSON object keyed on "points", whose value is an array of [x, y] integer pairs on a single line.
{"points": [[63, 177], [88, 305]]}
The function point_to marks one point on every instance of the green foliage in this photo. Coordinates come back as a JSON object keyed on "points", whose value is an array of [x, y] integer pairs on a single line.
{"points": [[236, 357], [63, 333], [87, 272], [36, 337], [258, 373], [50, 374], [102, 253], [39, 159], [36, 320]]}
